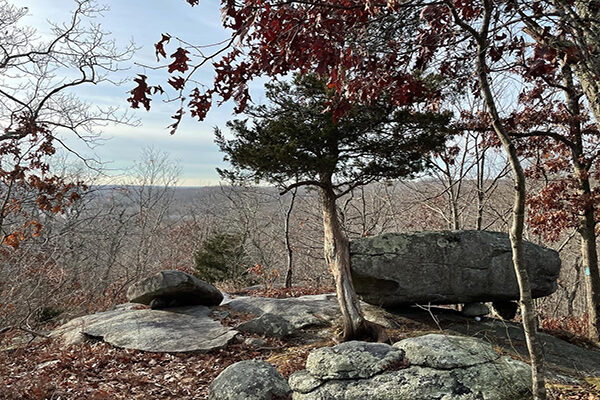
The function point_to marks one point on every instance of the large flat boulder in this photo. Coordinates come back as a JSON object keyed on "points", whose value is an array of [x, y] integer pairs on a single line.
{"points": [[437, 367], [300, 312], [446, 267], [177, 330], [173, 288]]}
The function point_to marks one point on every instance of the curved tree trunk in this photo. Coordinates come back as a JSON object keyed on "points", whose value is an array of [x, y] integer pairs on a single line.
{"points": [[288, 245], [516, 230], [337, 255]]}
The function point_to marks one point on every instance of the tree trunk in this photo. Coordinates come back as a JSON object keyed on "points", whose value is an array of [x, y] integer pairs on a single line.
{"points": [[337, 255], [480, 186], [589, 255], [288, 245], [587, 221], [516, 230], [589, 251], [587, 68]]}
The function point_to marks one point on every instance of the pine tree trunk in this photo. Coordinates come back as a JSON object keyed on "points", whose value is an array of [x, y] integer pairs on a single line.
{"points": [[516, 231], [337, 255]]}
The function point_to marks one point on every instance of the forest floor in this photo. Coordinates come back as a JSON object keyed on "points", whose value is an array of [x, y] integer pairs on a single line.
{"points": [[43, 369]]}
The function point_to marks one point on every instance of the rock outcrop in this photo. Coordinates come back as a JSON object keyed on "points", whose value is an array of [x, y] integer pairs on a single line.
{"points": [[441, 367], [173, 288], [446, 267], [300, 312], [249, 380], [267, 325], [177, 330]]}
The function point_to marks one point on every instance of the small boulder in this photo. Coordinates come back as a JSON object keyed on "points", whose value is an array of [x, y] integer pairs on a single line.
{"points": [[174, 288], [255, 342], [267, 325], [249, 380]]}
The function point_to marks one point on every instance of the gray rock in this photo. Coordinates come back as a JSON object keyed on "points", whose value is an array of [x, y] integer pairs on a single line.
{"points": [[173, 288], [249, 380], [500, 381], [446, 352], [352, 360], [475, 310], [446, 267], [561, 358], [255, 342], [435, 373], [268, 325], [320, 310], [303, 382], [177, 330], [300, 312]]}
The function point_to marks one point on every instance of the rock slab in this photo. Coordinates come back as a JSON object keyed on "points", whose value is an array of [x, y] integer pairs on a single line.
{"points": [[168, 288], [177, 330], [300, 312], [249, 380], [446, 267], [441, 367], [268, 325]]}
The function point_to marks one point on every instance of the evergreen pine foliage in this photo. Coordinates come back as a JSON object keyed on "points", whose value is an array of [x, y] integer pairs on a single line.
{"points": [[221, 258], [295, 139]]}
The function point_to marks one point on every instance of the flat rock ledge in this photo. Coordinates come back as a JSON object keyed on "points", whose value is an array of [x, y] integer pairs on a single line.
{"points": [[179, 329], [299, 312], [441, 368]]}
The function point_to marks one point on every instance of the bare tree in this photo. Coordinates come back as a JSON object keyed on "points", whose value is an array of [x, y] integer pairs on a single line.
{"points": [[39, 77]]}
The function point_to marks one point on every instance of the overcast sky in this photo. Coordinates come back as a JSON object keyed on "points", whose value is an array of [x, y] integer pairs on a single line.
{"points": [[143, 21]]}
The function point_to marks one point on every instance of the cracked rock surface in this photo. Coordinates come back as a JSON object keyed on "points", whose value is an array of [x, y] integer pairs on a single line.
{"points": [[352, 360], [442, 368]]}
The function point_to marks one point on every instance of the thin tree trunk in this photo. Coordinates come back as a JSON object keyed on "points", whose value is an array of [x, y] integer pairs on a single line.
{"points": [[591, 273], [480, 183], [516, 230], [572, 294], [337, 255], [589, 251], [288, 245]]}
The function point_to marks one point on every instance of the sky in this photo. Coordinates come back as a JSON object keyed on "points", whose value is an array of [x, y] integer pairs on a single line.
{"points": [[143, 21]]}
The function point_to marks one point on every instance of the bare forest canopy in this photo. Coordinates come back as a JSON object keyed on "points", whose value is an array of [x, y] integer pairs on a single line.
{"points": [[84, 260]]}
